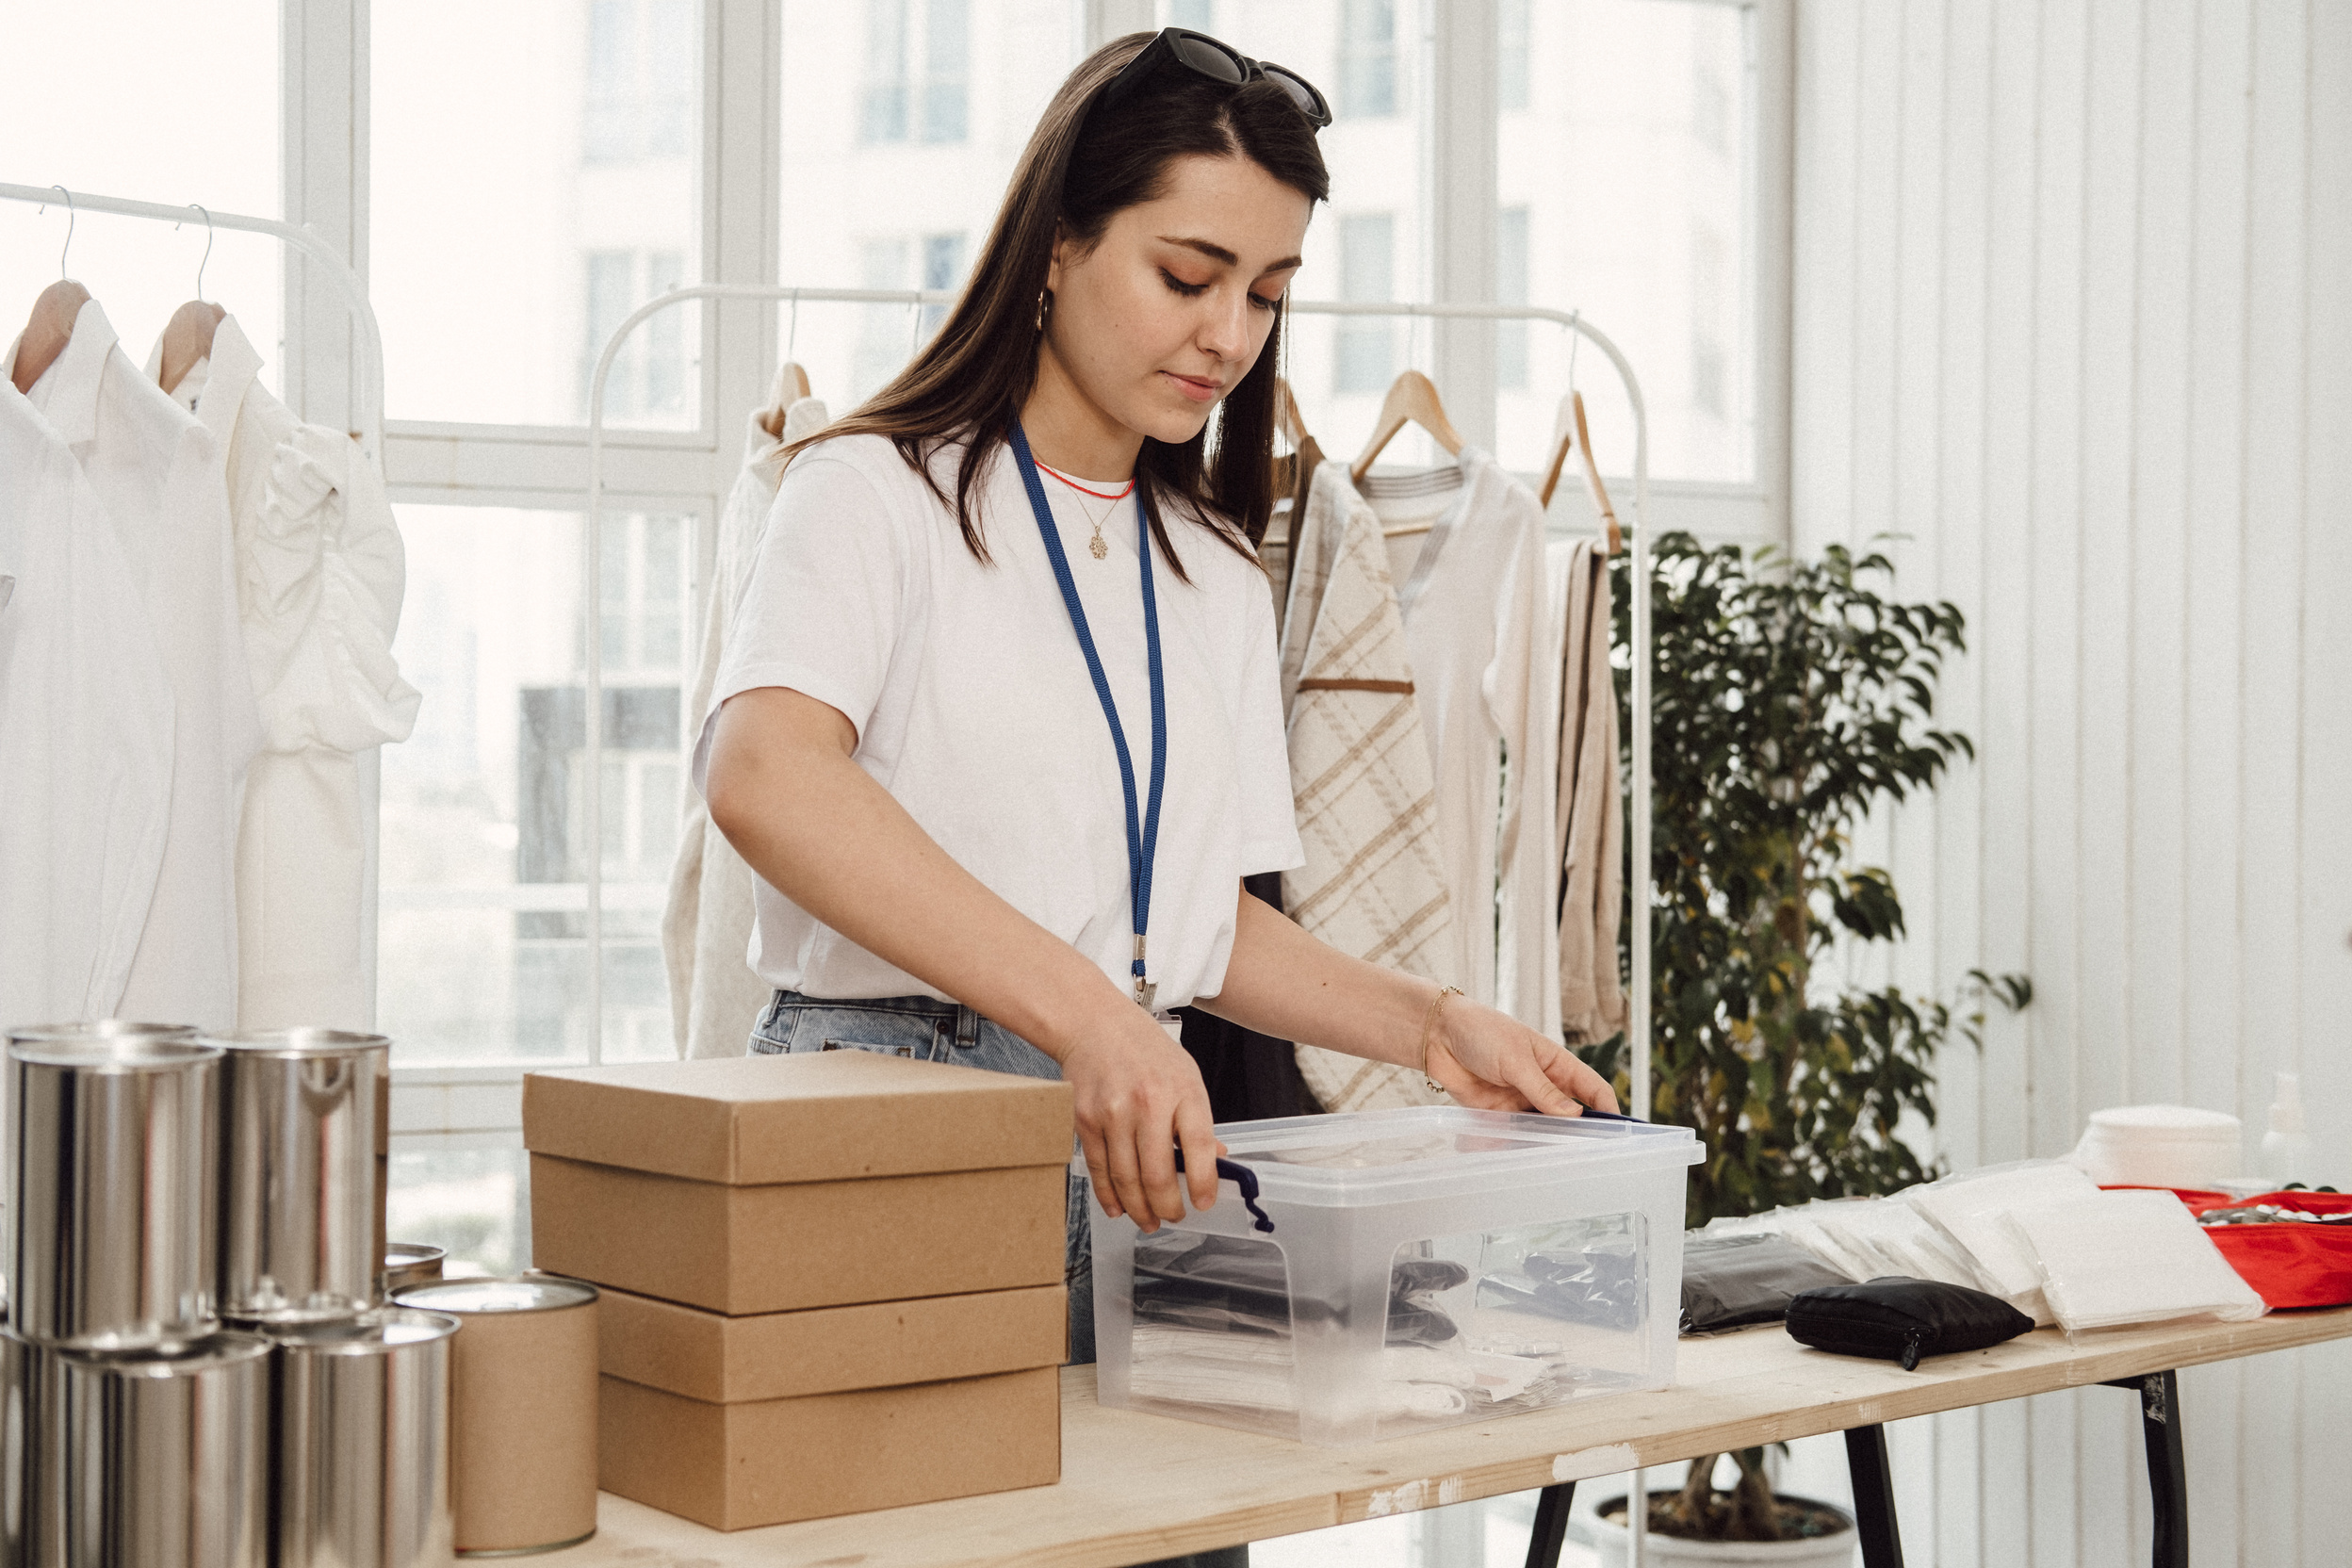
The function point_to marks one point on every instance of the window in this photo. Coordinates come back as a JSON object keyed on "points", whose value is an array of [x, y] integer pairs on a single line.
{"points": [[1658, 94], [1199, 15], [534, 176], [1367, 253], [484, 814], [889, 334], [1511, 289], [641, 80], [917, 59], [1513, 39], [1367, 57]]}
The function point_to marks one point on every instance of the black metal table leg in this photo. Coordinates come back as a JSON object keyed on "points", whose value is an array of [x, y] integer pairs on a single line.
{"points": [[2167, 1473], [1873, 1497], [1551, 1525]]}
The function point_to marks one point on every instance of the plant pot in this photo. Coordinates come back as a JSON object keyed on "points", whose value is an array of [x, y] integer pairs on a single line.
{"points": [[1612, 1542]]}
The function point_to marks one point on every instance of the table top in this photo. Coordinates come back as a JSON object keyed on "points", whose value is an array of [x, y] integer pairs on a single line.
{"points": [[1137, 1487]]}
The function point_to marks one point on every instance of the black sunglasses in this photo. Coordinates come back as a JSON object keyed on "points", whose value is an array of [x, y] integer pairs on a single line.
{"points": [[1218, 61]]}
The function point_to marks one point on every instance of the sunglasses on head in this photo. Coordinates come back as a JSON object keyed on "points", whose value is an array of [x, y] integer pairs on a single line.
{"points": [[1218, 61]]}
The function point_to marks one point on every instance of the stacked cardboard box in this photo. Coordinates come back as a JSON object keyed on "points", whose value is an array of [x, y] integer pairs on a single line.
{"points": [[833, 1281]]}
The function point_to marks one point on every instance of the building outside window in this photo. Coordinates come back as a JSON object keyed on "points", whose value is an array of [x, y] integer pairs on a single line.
{"points": [[1367, 58], [1366, 345], [917, 67], [1511, 289], [1513, 44], [641, 77], [648, 378]]}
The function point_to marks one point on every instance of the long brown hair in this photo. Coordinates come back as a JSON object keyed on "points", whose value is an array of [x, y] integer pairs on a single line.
{"points": [[970, 382]]}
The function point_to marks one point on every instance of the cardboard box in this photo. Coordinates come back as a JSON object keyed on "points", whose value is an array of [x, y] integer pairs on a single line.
{"points": [[778, 1183], [819, 1116], [741, 1251], [771, 1463], [786, 1355]]}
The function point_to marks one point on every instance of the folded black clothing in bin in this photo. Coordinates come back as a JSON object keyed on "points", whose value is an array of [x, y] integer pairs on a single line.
{"points": [[1899, 1319], [1730, 1282], [1601, 1288], [1244, 1286]]}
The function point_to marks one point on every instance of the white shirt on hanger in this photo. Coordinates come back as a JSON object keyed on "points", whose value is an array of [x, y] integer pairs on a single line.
{"points": [[1473, 599], [159, 473], [975, 712], [715, 995], [319, 576], [85, 737]]}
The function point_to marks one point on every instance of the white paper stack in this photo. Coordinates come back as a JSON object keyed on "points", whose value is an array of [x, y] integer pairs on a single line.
{"points": [[2114, 1258]]}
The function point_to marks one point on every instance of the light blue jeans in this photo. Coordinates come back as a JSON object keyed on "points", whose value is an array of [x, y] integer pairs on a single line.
{"points": [[926, 1029]]}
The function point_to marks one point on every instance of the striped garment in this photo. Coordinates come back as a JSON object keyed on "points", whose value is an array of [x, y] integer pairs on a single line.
{"points": [[1373, 885]]}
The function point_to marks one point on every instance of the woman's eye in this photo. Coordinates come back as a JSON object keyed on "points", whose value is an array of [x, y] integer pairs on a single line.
{"points": [[1189, 291], [1261, 303]]}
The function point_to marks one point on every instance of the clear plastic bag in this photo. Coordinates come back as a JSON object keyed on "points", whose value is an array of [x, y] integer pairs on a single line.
{"points": [[2116, 1258]]}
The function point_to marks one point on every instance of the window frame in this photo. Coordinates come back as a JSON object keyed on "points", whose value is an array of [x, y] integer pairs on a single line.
{"points": [[326, 98]]}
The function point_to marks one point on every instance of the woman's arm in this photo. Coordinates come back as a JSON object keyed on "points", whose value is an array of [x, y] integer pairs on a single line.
{"points": [[1285, 982], [784, 787]]}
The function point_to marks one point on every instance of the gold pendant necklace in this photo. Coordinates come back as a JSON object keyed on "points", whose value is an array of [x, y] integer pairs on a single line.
{"points": [[1098, 546]]}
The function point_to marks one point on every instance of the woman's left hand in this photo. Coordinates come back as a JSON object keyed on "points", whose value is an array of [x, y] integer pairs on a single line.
{"points": [[1491, 1061]]}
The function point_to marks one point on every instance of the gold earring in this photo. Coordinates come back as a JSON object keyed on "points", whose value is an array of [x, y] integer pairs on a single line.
{"points": [[1042, 296]]}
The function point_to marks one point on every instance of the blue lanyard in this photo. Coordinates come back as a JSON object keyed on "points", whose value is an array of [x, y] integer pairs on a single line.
{"points": [[1142, 838]]}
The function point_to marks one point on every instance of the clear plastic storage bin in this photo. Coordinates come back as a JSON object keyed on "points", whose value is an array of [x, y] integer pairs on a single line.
{"points": [[1427, 1268]]}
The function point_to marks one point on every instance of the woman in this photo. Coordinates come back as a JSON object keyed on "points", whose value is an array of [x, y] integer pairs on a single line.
{"points": [[999, 724]]}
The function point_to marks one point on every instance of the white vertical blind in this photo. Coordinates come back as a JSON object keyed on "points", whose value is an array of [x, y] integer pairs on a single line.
{"points": [[2069, 314]]}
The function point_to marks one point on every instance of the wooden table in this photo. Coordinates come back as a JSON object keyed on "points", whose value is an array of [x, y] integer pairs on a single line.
{"points": [[1137, 1487]]}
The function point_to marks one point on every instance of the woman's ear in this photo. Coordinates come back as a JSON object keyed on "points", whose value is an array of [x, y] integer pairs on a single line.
{"points": [[1065, 253]]}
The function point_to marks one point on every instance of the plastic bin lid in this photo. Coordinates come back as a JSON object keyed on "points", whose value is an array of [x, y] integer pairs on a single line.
{"points": [[1394, 1155]]}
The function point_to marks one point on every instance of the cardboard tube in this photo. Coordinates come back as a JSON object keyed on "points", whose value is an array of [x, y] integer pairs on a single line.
{"points": [[522, 1409]]}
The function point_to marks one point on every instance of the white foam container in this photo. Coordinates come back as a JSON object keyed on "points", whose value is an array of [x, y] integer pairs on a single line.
{"points": [[2160, 1146], [1520, 1202]]}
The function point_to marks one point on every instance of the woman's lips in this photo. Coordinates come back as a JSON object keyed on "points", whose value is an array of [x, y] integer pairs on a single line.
{"points": [[1200, 391]]}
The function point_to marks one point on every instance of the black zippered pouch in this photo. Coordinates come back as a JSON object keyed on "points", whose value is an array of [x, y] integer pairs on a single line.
{"points": [[1901, 1319]]}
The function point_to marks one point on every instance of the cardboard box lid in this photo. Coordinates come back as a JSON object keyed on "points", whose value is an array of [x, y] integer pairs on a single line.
{"points": [[816, 1117], [785, 1355]]}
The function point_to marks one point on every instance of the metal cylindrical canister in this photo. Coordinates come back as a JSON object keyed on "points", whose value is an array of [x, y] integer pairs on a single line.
{"points": [[305, 1138], [111, 1195], [363, 1441], [410, 1263], [523, 1410], [138, 1459]]}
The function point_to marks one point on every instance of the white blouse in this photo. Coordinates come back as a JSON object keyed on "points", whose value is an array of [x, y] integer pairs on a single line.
{"points": [[974, 710]]}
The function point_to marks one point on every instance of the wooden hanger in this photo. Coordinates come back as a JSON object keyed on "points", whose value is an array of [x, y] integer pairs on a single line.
{"points": [[1286, 416], [48, 331], [792, 384], [187, 338], [1568, 430], [1411, 400]]}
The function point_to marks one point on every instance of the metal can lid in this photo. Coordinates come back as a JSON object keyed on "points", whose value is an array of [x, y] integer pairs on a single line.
{"points": [[371, 1333], [112, 1052], [404, 1254], [297, 1042], [510, 1292], [103, 1027], [222, 1347]]}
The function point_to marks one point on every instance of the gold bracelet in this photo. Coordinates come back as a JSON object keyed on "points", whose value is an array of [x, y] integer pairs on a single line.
{"points": [[1429, 1021]]}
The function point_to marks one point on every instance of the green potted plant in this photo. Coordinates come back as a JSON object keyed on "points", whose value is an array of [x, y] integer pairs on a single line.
{"points": [[1791, 698]]}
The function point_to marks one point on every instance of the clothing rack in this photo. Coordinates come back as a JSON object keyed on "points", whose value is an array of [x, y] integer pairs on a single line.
{"points": [[1638, 1023], [367, 409], [366, 374]]}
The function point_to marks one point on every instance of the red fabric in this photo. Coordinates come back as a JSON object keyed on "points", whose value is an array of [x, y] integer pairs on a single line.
{"points": [[2290, 1265]]}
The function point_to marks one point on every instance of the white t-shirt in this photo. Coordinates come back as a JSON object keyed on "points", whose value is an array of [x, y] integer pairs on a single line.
{"points": [[974, 710]]}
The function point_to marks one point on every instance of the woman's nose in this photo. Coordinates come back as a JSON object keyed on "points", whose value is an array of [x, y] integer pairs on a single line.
{"points": [[1226, 331]]}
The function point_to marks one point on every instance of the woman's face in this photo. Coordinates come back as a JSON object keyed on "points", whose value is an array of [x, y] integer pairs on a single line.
{"points": [[1167, 312]]}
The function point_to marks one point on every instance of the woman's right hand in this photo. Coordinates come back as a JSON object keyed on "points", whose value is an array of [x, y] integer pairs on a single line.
{"points": [[1138, 1099]]}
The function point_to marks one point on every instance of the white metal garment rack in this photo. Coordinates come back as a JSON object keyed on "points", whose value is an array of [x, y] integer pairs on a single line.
{"points": [[367, 411], [367, 372], [1637, 1034]]}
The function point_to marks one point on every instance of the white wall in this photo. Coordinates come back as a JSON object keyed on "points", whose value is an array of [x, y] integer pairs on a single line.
{"points": [[2071, 312]]}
